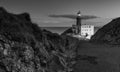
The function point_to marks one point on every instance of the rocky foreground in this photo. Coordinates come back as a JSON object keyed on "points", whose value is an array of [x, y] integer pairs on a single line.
{"points": [[25, 47]]}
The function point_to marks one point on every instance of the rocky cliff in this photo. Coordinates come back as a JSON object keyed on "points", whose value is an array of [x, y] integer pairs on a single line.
{"points": [[110, 33], [25, 47]]}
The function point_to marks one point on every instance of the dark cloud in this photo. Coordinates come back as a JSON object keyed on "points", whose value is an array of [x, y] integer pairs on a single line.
{"points": [[84, 17]]}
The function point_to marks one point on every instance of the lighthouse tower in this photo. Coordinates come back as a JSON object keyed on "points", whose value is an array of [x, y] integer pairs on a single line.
{"points": [[82, 31], [78, 22]]}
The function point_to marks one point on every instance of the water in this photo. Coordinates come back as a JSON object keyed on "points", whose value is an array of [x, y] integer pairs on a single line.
{"points": [[60, 30]]}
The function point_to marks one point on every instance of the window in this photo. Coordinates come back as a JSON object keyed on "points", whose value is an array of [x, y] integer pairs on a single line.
{"points": [[89, 26]]}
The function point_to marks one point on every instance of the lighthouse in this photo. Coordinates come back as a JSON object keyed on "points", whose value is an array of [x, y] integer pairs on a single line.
{"points": [[78, 22], [82, 31]]}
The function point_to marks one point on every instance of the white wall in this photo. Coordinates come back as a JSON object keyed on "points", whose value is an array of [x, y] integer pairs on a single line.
{"points": [[89, 29]]}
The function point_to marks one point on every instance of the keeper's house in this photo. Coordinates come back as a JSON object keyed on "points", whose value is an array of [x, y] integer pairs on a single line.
{"points": [[87, 30]]}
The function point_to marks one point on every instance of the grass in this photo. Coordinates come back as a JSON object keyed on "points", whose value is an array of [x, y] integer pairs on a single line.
{"points": [[108, 58]]}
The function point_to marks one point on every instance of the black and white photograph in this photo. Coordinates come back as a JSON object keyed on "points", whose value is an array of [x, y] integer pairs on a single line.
{"points": [[59, 35]]}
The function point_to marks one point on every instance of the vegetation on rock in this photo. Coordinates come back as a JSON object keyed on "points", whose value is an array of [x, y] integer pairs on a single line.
{"points": [[25, 47], [110, 33]]}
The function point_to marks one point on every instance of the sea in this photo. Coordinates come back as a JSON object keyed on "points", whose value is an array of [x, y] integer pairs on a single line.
{"points": [[60, 30]]}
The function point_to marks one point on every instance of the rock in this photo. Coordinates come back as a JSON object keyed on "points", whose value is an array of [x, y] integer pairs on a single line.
{"points": [[68, 31], [110, 33], [25, 47]]}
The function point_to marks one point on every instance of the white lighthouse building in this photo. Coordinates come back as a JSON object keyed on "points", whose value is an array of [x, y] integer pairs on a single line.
{"points": [[82, 31], [87, 30]]}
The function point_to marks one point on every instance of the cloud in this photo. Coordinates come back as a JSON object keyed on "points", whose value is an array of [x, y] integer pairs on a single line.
{"points": [[84, 17], [47, 21]]}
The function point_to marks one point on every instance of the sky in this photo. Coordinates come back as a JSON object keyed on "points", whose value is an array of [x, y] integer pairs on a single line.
{"points": [[40, 10]]}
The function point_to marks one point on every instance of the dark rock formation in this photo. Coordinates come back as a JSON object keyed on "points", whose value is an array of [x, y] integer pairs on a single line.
{"points": [[25, 47], [110, 33], [68, 31]]}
